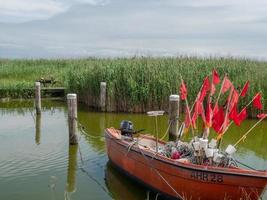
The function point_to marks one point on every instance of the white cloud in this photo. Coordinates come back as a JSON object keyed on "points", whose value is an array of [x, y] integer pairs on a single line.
{"points": [[28, 10]]}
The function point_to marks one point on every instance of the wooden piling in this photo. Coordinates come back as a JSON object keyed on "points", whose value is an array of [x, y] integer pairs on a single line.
{"points": [[38, 98], [37, 129], [103, 90], [72, 166], [173, 115], [72, 118]]}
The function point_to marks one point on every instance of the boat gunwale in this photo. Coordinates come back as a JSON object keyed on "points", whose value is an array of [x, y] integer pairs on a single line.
{"points": [[161, 158]]}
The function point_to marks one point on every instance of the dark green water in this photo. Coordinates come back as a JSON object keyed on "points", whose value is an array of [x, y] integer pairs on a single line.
{"points": [[37, 163]]}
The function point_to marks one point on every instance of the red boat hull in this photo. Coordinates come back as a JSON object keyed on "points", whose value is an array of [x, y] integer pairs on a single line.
{"points": [[190, 181]]}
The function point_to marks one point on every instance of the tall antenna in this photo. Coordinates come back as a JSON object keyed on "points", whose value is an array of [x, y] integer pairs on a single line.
{"points": [[156, 114]]}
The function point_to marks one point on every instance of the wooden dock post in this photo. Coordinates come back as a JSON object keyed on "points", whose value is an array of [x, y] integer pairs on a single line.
{"points": [[103, 90], [38, 98], [72, 118], [173, 115], [72, 166], [37, 129]]}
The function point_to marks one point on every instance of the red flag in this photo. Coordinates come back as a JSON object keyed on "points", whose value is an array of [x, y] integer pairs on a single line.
{"points": [[234, 99], [241, 116], [215, 109], [218, 120], [245, 89], [209, 115], [233, 115], [262, 115], [183, 91], [205, 89], [215, 81], [226, 85], [215, 77], [198, 107], [257, 101]]}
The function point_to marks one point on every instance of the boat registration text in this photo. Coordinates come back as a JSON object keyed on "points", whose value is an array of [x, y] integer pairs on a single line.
{"points": [[208, 177]]}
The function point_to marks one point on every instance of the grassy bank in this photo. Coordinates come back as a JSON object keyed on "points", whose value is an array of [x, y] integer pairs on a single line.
{"points": [[134, 84]]}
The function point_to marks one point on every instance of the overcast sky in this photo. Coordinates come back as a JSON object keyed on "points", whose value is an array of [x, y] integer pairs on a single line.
{"points": [[80, 28]]}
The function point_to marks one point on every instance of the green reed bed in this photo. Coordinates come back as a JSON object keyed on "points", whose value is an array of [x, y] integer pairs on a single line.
{"points": [[145, 83], [134, 84], [17, 77]]}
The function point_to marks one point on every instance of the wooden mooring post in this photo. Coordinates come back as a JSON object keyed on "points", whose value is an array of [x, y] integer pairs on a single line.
{"points": [[72, 118], [103, 90], [38, 98], [173, 116]]}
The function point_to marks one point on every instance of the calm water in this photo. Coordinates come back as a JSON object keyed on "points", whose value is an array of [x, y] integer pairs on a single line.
{"points": [[37, 163]]}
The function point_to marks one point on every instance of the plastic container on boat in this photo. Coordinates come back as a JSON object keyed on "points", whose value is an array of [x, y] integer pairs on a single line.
{"points": [[209, 152], [217, 157], [212, 143], [230, 149], [203, 143], [196, 138], [196, 146]]}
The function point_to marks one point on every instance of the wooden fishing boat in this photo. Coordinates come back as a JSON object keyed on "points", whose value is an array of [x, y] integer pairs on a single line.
{"points": [[178, 179]]}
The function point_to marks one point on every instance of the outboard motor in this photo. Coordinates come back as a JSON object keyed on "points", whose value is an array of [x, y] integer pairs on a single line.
{"points": [[126, 128]]}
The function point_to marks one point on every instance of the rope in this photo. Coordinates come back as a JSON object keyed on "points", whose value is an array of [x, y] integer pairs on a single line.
{"points": [[171, 121], [81, 127], [245, 165], [177, 194], [90, 176]]}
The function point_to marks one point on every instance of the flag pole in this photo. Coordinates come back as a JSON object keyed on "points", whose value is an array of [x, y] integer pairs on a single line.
{"points": [[245, 135], [225, 118], [217, 100], [188, 110], [240, 111]]}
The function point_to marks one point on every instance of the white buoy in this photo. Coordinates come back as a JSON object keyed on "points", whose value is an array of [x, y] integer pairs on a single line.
{"points": [[203, 143], [196, 146], [213, 143], [209, 152], [230, 149]]}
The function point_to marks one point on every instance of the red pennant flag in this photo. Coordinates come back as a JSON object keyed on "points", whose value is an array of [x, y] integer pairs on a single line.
{"points": [[215, 109], [215, 81], [233, 113], [226, 85], [198, 107], [205, 89], [234, 100], [215, 77], [183, 91], [257, 101], [262, 115], [209, 115], [218, 120], [242, 116], [245, 89], [234, 116]]}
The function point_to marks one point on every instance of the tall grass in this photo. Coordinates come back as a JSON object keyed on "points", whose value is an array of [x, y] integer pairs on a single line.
{"points": [[17, 77], [140, 84], [133, 84]]}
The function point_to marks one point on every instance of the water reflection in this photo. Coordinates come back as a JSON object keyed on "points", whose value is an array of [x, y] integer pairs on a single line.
{"points": [[117, 182], [123, 187], [37, 129], [71, 176], [30, 164]]}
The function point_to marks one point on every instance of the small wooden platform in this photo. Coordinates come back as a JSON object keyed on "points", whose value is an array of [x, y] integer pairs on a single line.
{"points": [[54, 92]]}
